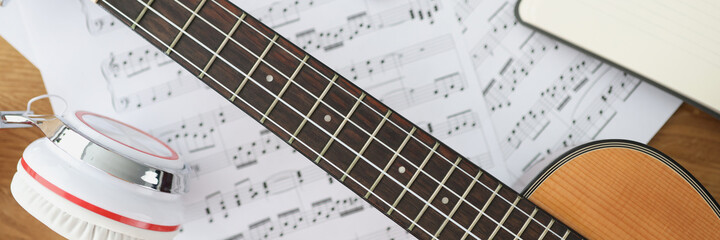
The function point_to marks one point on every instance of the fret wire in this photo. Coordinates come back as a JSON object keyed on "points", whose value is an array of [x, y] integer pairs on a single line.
{"points": [[392, 159], [242, 46], [256, 110], [487, 204], [187, 24], [367, 143], [507, 214], [312, 110], [379, 114], [337, 131], [397, 200], [457, 204], [254, 67], [287, 84], [272, 94], [269, 92], [374, 110], [567, 232], [547, 228], [222, 45], [437, 190], [142, 13], [527, 222], [306, 90]]}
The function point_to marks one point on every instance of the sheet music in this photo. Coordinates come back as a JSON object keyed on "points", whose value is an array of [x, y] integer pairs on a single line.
{"points": [[502, 95]]}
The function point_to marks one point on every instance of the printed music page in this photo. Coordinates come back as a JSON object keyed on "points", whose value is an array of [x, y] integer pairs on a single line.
{"points": [[672, 42], [502, 95]]}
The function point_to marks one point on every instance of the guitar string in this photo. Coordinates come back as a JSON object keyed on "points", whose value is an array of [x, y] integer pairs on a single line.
{"points": [[513, 206], [352, 122], [239, 71], [312, 122], [255, 109], [299, 140], [392, 122]]}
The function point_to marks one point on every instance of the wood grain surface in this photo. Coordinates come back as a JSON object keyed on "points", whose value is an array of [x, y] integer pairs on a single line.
{"points": [[691, 137], [657, 201]]}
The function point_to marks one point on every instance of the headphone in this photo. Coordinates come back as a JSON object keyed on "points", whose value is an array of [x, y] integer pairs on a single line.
{"points": [[93, 177]]}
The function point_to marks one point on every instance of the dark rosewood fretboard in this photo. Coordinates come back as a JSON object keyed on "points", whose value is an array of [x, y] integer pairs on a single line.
{"points": [[414, 179]]}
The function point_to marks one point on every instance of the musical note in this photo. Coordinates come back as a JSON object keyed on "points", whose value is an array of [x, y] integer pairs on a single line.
{"points": [[280, 13], [536, 46], [290, 221], [123, 70], [131, 63], [570, 82], [497, 91], [215, 204], [362, 23], [261, 229], [529, 126], [392, 62], [245, 191], [415, 55], [390, 232], [516, 69], [242, 156], [455, 124], [295, 219], [501, 22], [98, 21], [441, 87], [589, 120], [182, 84], [196, 134], [463, 8]]}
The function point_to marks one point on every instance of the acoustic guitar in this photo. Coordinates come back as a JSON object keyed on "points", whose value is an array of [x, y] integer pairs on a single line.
{"points": [[608, 189]]}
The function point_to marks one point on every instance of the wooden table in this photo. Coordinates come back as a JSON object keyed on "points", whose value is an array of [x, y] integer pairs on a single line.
{"points": [[691, 137]]}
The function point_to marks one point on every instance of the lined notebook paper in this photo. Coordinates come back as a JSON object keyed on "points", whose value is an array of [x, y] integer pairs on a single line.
{"points": [[674, 43]]}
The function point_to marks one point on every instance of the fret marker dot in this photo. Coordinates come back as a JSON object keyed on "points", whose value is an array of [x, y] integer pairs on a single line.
{"points": [[269, 78], [327, 118], [401, 169], [445, 200]]}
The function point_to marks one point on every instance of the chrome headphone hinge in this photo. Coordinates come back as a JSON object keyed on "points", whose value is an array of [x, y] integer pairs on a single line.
{"points": [[14, 119]]}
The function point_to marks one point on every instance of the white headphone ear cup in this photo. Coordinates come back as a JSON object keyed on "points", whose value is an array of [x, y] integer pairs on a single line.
{"points": [[68, 219]]}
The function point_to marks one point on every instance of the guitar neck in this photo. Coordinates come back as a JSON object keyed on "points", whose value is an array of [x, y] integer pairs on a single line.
{"points": [[401, 170]]}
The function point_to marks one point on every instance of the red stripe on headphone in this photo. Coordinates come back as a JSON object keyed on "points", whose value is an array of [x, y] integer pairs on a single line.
{"points": [[93, 208]]}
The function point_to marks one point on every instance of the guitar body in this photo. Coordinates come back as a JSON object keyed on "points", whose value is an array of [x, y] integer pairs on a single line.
{"points": [[624, 190]]}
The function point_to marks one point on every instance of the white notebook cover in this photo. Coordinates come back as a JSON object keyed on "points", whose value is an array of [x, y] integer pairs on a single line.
{"points": [[673, 43]]}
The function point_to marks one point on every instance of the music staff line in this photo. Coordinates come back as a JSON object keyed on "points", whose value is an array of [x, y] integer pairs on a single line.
{"points": [[498, 91], [281, 13], [248, 154], [596, 117], [402, 97], [363, 23], [199, 133], [296, 219], [122, 69], [390, 232], [245, 191], [501, 22], [589, 123], [463, 9], [553, 98], [393, 61], [97, 21]]}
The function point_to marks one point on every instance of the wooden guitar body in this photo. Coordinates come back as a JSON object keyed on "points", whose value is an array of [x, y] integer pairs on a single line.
{"points": [[624, 190]]}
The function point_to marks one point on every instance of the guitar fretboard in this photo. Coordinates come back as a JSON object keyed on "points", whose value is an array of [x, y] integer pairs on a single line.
{"points": [[417, 181]]}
